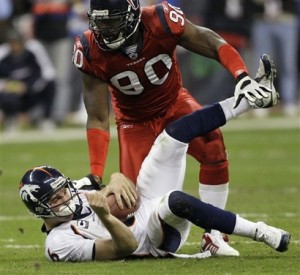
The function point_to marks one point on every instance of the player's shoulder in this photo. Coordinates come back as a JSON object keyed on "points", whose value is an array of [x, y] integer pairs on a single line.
{"points": [[87, 35], [164, 17], [87, 53], [62, 243], [84, 39], [63, 234], [154, 12], [163, 6], [58, 237]]}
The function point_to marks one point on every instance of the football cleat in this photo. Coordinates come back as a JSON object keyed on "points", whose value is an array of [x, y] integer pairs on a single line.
{"points": [[276, 238], [217, 246], [265, 76]]}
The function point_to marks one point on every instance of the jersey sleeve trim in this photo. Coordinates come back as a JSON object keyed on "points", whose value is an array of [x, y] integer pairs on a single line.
{"points": [[161, 15], [85, 47]]}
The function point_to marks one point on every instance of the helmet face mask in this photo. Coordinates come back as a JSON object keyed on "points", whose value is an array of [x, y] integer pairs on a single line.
{"points": [[113, 22], [65, 208], [40, 185]]}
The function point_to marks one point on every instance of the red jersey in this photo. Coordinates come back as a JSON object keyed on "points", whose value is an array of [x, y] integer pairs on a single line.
{"points": [[143, 86]]}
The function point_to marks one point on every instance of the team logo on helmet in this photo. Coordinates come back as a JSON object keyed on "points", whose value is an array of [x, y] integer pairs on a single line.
{"points": [[26, 192]]}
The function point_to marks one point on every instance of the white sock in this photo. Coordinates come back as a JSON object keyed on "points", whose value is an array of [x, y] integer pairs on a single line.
{"points": [[229, 112], [244, 228], [214, 194]]}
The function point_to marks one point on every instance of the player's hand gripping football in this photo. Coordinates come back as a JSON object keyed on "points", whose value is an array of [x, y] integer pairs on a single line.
{"points": [[121, 187], [250, 89]]}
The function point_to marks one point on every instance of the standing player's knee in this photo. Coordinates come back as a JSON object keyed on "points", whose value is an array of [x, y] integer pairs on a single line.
{"points": [[213, 159], [209, 149], [215, 151]]}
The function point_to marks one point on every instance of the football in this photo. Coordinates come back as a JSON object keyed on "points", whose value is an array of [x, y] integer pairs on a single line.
{"points": [[125, 213]]}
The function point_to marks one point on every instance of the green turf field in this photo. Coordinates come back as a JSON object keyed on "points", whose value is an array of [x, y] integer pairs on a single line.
{"points": [[265, 185]]}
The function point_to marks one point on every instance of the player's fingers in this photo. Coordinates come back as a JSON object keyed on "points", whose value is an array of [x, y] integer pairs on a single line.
{"points": [[87, 195], [131, 189], [101, 200], [95, 198], [119, 200], [129, 194], [130, 200], [90, 196], [250, 97], [264, 91], [133, 193]]}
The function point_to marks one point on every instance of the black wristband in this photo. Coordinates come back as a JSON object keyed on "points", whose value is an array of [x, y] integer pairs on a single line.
{"points": [[241, 76], [96, 185]]}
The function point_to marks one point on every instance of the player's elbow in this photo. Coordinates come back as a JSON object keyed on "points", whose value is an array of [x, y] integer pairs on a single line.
{"points": [[134, 246], [127, 248]]}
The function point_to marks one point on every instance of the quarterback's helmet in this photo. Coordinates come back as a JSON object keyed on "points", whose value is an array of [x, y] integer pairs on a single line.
{"points": [[37, 187], [113, 21]]}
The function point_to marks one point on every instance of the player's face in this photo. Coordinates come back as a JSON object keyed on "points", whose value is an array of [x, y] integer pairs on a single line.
{"points": [[60, 199], [110, 28]]}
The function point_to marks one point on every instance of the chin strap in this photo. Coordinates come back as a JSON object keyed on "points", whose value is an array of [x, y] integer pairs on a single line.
{"points": [[117, 44]]}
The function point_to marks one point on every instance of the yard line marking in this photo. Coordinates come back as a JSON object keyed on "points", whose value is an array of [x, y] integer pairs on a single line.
{"points": [[7, 240], [263, 215], [18, 218], [22, 246]]}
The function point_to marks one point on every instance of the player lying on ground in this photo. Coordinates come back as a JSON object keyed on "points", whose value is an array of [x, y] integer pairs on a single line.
{"points": [[80, 227]]}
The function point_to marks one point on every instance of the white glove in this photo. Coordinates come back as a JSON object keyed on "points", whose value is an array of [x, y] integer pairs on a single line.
{"points": [[249, 88]]}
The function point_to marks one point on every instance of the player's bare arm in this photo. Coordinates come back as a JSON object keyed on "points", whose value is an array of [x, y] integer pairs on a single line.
{"points": [[95, 95], [122, 243], [201, 40]]}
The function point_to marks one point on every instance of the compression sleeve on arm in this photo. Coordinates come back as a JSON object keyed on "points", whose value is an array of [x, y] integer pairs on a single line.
{"points": [[98, 141], [231, 60]]}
